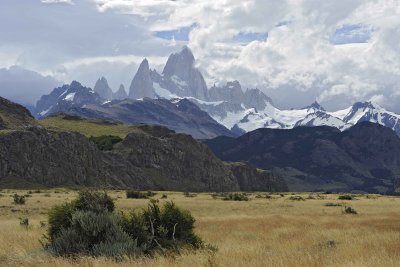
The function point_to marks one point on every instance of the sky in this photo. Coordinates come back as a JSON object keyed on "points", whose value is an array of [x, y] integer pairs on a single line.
{"points": [[297, 51]]}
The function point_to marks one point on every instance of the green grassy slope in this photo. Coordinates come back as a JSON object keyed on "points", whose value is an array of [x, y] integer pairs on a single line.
{"points": [[87, 127]]}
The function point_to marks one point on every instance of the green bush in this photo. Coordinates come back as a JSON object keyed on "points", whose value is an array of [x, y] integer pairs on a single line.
{"points": [[188, 194], [162, 228], [89, 226], [236, 197], [94, 201], [105, 142], [96, 234], [349, 210], [24, 221], [345, 197], [231, 196], [330, 204], [18, 199], [296, 198], [139, 195]]}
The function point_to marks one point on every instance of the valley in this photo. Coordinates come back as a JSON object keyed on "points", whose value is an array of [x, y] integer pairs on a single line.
{"points": [[274, 231]]}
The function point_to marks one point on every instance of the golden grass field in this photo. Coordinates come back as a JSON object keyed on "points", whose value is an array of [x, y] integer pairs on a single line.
{"points": [[260, 232]]}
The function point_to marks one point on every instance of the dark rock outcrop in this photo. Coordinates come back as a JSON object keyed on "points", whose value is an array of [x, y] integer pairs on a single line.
{"points": [[151, 158], [14, 116]]}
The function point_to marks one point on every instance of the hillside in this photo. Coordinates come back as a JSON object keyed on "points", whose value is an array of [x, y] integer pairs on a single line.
{"points": [[364, 158], [148, 157], [14, 116]]}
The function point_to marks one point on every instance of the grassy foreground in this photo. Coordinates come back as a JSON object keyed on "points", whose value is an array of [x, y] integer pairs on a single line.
{"points": [[276, 231]]}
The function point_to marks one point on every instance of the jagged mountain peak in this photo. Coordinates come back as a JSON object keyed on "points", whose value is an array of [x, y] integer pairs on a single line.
{"points": [[316, 106], [144, 64], [103, 89], [180, 64], [181, 77], [142, 84], [121, 93], [231, 92], [75, 84], [65, 97]]}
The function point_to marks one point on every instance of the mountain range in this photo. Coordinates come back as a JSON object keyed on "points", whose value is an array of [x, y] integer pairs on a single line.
{"points": [[363, 158], [232, 110]]}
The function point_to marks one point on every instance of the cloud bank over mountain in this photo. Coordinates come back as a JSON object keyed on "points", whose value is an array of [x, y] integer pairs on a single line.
{"points": [[336, 52]]}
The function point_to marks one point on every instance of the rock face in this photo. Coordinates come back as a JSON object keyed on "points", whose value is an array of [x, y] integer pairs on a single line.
{"points": [[14, 116], [120, 94], [231, 92], [364, 158], [103, 89], [252, 179], [151, 157], [142, 85], [181, 72], [254, 98]]}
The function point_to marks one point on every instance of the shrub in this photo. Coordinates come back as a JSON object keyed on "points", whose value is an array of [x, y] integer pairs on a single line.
{"points": [[330, 204], [345, 197], [137, 194], [188, 194], [349, 210], [162, 228], [231, 196], [296, 198], [105, 142], [164, 196], [24, 221], [94, 201], [89, 226], [96, 234], [236, 197], [151, 193], [19, 200]]}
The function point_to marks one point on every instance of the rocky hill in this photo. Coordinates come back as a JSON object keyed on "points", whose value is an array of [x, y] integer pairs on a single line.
{"points": [[14, 116], [149, 157], [364, 158]]}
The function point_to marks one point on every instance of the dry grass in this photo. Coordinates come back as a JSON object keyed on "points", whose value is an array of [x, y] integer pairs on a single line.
{"points": [[260, 232]]}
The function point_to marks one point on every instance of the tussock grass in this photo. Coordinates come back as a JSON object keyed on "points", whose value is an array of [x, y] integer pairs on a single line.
{"points": [[259, 232], [87, 127]]}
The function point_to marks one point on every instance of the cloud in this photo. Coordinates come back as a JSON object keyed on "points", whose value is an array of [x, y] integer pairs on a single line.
{"points": [[24, 86], [297, 51], [70, 2]]}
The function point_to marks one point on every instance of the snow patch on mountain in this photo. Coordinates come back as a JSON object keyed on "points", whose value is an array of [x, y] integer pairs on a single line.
{"points": [[70, 97]]}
